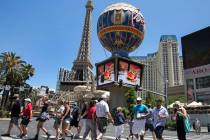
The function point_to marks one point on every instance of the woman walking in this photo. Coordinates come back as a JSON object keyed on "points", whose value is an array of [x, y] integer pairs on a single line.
{"points": [[180, 114], [119, 121], [57, 118], [26, 117], [42, 118], [66, 119], [90, 124]]}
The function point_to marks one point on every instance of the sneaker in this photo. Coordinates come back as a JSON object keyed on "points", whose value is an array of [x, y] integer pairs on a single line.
{"points": [[99, 136], [77, 136], [19, 136], [5, 135], [36, 137], [48, 135], [72, 136], [24, 136]]}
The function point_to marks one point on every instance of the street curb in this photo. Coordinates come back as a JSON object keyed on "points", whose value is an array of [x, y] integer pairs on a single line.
{"points": [[4, 119]]}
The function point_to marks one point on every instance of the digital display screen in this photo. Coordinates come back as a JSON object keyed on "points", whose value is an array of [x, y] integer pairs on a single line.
{"points": [[106, 73], [129, 73]]}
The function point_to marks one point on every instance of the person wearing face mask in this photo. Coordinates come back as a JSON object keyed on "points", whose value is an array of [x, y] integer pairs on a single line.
{"points": [[160, 114]]}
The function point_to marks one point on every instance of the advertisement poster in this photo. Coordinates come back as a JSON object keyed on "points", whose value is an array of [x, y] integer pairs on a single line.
{"points": [[129, 73], [106, 73]]}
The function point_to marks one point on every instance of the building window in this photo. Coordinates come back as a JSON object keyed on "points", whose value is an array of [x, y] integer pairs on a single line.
{"points": [[203, 82]]}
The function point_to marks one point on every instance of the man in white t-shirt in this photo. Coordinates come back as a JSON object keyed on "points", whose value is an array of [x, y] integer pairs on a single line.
{"points": [[160, 114], [102, 114]]}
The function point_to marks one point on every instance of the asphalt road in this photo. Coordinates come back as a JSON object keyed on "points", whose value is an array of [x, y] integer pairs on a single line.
{"points": [[168, 135]]}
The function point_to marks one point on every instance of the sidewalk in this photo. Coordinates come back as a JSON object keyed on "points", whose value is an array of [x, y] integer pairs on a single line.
{"points": [[203, 130], [4, 119]]}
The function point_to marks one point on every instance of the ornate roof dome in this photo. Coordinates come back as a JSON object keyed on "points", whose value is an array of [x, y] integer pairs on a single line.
{"points": [[121, 28]]}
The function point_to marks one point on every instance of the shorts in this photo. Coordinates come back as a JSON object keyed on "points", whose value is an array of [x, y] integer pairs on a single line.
{"points": [[159, 131], [150, 127], [102, 124], [119, 130], [14, 120], [67, 120], [139, 127], [40, 119], [57, 121], [74, 123], [25, 121]]}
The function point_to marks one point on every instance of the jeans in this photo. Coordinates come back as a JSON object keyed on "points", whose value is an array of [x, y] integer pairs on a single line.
{"points": [[90, 125]]}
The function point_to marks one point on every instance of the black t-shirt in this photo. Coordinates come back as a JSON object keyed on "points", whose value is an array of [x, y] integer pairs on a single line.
{"points": [[75, 112], [16, 107], [83, 111], [44, 108]]}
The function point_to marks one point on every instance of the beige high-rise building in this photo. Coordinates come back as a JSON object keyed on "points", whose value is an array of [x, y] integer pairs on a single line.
{"points": [[168, 61], [163, 68]]}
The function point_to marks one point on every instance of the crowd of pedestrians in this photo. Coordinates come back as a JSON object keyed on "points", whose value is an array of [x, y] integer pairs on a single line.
{"points": [[94, 117]]}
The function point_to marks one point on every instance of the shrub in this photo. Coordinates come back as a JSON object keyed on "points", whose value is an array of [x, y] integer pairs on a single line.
{"points": [[171, 125], [4, 114]]}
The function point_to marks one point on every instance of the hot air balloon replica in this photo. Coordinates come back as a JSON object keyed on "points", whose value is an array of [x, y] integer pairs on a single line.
{"points": [[120, 29]]}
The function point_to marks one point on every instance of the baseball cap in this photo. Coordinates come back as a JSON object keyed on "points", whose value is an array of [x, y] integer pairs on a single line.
{"points": [[103, 96], [139, 99], [28, 99]]}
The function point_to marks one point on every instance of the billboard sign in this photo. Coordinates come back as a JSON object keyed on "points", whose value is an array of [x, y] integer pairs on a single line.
{"points": [[129, 72], [105, 73]]}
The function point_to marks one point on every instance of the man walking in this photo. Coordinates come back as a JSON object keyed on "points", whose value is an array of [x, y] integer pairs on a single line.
{"points": [[75, 118], [140, 112], [15, 115], [160, 114], [149, 122], [102, 114]]}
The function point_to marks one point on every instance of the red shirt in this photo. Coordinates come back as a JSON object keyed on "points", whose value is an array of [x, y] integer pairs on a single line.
{"points": [[90, 112], [27, 110]]}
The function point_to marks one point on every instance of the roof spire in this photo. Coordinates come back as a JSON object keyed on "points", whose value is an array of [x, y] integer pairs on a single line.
{"points": [[82, 67]]}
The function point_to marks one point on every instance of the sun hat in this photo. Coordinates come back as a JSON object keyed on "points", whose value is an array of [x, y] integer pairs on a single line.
{"points": [[177, 103], [119, 108], [27, 99]]}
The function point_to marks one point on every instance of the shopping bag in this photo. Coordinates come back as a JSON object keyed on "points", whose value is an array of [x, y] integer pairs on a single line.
{"points": [[187, 124]]}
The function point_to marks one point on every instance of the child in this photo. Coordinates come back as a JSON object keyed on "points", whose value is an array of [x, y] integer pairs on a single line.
{"points": [[119, 123]]}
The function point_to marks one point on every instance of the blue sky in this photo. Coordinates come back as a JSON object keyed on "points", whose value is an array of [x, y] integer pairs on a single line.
{"points": [[47, 33]]}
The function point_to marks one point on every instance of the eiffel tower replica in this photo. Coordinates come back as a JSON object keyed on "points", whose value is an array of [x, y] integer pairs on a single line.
{"points": [[81, 72]]}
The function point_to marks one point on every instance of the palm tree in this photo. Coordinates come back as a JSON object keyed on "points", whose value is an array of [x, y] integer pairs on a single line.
{"points": [[14, 71], [10, 64], [27, 71]]}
